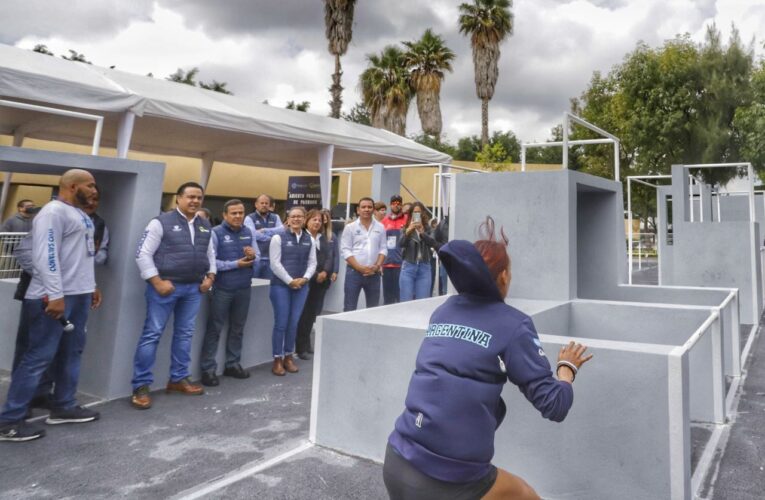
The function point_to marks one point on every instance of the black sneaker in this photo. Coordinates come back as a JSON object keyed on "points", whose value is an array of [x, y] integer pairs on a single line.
{"points": [[236, 371], [304, 355], [20, 431], [76, 415], [210, 379]]}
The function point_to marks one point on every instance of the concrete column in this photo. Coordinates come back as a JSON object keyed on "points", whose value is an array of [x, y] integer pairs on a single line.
{"points": [[385, 183], [207, 164], [326, 155], [680, 202], [706, 202], [125, 133], [18, 140]]}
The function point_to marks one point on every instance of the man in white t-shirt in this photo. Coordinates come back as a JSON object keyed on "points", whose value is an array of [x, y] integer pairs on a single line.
{"points": [[56, 304], [364, 247]]}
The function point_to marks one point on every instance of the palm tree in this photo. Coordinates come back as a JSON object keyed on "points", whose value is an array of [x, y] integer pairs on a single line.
{"points": [[298, 106], [216, 86], [338, 21], [427, 59], [186, 77], [386, 90], [487, 22]]}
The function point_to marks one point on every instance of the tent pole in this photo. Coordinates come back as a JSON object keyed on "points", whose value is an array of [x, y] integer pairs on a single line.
{"points": [[207, 163], [125, 133], [326, 155]]}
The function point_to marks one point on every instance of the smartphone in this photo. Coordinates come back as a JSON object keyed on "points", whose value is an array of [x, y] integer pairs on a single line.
{"points": [[417, 217]]}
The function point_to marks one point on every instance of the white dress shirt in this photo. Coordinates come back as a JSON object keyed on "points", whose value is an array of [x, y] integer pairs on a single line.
{"points": [[362, 243], [152, 237]]}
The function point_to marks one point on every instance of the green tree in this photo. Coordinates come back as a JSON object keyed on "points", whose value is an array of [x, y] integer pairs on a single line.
{"points": [[386, 90], [488, 22], [338, 22], [427, 59], [493, 157], [440, 144], [300, 106], [42, 49], [358, 114], [468, 148], [75, 56], [749, 123]]}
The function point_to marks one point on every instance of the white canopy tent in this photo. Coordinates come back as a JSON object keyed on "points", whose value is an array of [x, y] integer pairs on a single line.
{"points": [[157, 116]]}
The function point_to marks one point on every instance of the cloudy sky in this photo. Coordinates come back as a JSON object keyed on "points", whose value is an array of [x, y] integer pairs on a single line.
{"points": [[276, 50]]}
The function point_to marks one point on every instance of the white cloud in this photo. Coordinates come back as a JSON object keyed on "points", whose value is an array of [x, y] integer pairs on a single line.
{"points": [[277, 51]]}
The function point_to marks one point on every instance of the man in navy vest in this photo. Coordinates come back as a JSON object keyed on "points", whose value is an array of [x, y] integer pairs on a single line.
{"points": [[264, 224], [230, 298], [177, 259]]}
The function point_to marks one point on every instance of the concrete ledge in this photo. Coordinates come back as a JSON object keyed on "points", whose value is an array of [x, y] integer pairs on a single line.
{"points": [[629, 429]]}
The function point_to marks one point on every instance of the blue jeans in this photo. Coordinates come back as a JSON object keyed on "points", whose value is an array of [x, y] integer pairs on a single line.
{"points": [[414, 282], [354, 283], [233, 305], [47, 340], [262, 269], [184, 303], [288, 306], [390, 279]]}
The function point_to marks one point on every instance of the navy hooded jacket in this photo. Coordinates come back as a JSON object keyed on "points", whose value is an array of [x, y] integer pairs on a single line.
{"points": [[474, 344]]}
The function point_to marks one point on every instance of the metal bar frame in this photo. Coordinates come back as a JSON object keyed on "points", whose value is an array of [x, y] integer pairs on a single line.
{"points": [[569, 117], [640, 179], [63, 112]]}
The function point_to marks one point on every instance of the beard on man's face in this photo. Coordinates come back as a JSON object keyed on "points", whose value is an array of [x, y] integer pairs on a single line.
{"points": [[83, 200]]}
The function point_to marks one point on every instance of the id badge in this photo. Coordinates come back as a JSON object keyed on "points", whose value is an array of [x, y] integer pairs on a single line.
{"points": [[392, 242], [91, 244]]}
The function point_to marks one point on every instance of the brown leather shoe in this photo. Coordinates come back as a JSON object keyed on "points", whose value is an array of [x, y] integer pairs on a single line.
{"points": [[141, 398], [289, 364], [184, 386], [278, 368]]}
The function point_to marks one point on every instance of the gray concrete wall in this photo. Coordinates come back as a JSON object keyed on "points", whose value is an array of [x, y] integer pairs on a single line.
{"points": [[256, 346], [131, 196], [719, 255], [9, 310], [736, 208], [627, 439], [533, 209], [565, 228]]}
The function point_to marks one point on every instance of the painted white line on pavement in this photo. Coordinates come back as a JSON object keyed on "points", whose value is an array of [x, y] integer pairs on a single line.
{"points": [[239, 474]]}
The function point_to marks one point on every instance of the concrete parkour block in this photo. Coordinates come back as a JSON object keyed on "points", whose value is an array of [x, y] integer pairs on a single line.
{"points": [[661, 353]]}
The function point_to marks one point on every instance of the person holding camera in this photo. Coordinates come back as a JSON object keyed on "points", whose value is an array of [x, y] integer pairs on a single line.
{"points": [[21, 222], [443, 442], [230, 297], [416, 244]]}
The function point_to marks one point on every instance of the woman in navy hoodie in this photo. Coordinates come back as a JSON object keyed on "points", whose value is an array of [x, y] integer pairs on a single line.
{"points": [[443, 442]]}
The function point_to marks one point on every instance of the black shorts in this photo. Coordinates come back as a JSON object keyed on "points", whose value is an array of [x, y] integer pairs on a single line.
{"points": [[404, 482]]}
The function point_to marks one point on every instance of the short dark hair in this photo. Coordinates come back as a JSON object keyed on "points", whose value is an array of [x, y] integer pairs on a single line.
{"points": [[21, 203], [367, 198], [396, 197], [182, 188], [231, 203]]}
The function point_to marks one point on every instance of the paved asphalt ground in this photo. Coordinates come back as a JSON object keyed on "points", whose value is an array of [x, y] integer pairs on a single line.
{"points": [[249, 439]]}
